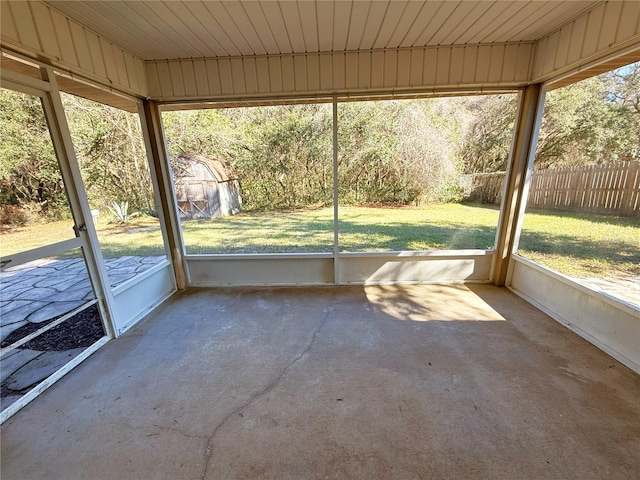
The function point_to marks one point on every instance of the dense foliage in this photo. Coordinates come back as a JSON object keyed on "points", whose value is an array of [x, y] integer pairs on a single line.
{"points": [[110, 149], [408, 151], [29, 172], [388, 152]]}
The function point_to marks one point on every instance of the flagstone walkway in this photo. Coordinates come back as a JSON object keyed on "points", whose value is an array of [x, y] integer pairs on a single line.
{"points": [[43, 289], [38, 291]]}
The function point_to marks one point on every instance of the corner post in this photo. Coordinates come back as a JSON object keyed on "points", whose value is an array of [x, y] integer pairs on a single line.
{"points": [[516, 186], [157, 149]]}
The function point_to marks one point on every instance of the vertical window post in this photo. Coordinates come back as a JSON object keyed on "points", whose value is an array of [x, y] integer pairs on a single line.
{"points": [[336, 248], [516, 188]]}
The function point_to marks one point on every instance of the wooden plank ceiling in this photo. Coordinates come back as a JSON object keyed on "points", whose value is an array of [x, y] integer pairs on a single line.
{"points": [[194, 29]]}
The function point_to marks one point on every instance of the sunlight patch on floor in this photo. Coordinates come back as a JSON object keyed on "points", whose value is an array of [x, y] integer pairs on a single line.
{"points": [[423, 303]]}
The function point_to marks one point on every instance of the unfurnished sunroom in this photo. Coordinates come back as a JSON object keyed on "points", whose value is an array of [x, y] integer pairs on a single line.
{"points": [[431, 192]]}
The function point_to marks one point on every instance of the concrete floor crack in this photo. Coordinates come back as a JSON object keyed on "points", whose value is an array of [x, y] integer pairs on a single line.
{"points": [[259, 394]]}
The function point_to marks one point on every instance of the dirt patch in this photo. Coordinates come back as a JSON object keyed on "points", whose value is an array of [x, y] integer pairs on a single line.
{"points": [[74, 334], [81, 330]]}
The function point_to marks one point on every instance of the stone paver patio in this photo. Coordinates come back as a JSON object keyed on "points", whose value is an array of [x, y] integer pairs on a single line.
{"points": [[41, 290], [627, 289]]}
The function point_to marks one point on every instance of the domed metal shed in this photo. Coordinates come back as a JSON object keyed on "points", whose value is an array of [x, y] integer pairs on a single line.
{"points": [[205, 187]]}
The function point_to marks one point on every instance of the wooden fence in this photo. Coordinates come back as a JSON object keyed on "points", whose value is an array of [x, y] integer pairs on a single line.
{"points": [[612, 189]]}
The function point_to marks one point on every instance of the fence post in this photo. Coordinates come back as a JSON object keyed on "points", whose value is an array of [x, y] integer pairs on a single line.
{"points": [[632, 182]]}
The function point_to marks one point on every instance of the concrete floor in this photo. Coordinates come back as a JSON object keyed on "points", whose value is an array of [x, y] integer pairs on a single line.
{"points": [[346, 383]]}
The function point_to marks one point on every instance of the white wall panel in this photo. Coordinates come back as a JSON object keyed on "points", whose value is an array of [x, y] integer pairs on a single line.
{"points": [[496, 63], [200, 71], [609, 25], [339, 73], [470, 64], [377, 70], [67, 51], [390, 69], [262, 70], [442, 66], [414, 267], [226, 81], [326, 71], [628, 21], [551, 48], [605, 30], [416, 65], [24, 23], [164, 78], [189, 76], [355, 268], [364, 70], [81, 46], [250, 75], [133, 73], [404, 68], [121, 66], [457, 65], [274, 72], [594, 25], [352, 72], [210, 272], [35, 29], [8, 26], [300, 69], [175, 75], [44, 26], [238, 75], [578, 30], [482, 65], [288, 75], [562, 52], [610, 325], [510, 62], [213, 78], [99, 69], [136, 298], [429, 66]]}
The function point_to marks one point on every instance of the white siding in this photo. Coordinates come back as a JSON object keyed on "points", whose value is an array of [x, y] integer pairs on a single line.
{"points": [[34, 28], [607, 29], [354, 72]]}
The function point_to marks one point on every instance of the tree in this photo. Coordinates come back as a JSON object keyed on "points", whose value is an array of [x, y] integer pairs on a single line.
{"points": [[594, 121], [111, 154], [488, 140], [29, 172]]}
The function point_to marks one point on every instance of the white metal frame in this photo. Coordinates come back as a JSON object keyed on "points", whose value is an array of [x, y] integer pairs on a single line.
{"points": [[122, 316], [347, 267], [607, 322], [118, 309], [77, 203]]}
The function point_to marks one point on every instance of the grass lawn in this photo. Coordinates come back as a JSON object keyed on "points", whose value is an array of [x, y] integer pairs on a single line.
{"points": [[575, 244], [141, 236], [449, 226], [582, 245]]}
